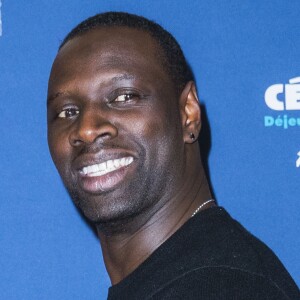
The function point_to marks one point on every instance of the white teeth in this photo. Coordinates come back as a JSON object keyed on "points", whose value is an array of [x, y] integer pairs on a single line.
{"points": [[102, 166], [110, 164], [123, 161], [106, 167], [117, 163], [94, 168]]}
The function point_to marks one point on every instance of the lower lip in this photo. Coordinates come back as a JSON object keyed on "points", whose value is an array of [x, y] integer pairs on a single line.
{"points": [[104, 182]]}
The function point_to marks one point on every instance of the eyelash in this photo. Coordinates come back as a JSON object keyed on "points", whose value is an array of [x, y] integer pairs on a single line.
{"points": [[66, 111], [130, 95], [126, 96]]}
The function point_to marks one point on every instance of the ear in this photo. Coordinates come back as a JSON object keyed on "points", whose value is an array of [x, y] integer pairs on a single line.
{"points": [[190, 113]]}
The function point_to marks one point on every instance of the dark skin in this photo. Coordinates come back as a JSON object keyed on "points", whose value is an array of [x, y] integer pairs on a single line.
{"points": [[110, 98]]}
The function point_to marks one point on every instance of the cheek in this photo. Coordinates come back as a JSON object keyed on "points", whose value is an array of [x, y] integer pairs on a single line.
{"points": [[158, 130], [59, 147], [164, 126], [153, 121], [143, 127]]}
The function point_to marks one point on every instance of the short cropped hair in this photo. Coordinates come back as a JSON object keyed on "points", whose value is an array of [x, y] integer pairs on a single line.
{"points": [[173, 58]]}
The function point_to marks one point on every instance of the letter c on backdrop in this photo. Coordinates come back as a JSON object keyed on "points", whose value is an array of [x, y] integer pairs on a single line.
{"points": [[271, 97]]}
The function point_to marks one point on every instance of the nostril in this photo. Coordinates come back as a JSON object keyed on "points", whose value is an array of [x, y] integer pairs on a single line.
{"points": [[90, 130], [76, 143], [104, 135]]}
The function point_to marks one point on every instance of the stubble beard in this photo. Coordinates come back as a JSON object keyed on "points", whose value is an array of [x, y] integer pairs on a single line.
{"points": [[111, 213]]}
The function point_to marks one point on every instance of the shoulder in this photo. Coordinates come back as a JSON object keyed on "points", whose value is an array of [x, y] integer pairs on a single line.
{"points": [[220, 283], [216, 258], [211, 257]]}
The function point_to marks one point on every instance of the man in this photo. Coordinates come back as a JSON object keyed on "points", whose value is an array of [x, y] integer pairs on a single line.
{"points": [[123, 123]]}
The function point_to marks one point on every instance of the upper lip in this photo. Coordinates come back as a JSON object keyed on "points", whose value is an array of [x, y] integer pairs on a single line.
{"points": [[89, 159]]}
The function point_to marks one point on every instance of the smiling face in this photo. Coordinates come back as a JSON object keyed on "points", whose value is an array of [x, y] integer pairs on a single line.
{"points": [[114, 127]]}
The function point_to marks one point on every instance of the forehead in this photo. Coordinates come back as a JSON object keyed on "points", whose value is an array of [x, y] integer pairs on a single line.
{"points": [[121, 49]]}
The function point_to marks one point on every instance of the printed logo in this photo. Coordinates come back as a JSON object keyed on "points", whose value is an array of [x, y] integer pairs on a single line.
{"points": [[298, 160], [292, 95], [283, 97]]}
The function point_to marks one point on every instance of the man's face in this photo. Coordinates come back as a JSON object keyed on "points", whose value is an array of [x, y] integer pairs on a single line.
{"points": [[114, 126]]}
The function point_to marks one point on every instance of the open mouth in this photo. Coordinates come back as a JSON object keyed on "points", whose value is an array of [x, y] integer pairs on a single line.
{"points": [[106, 167]]}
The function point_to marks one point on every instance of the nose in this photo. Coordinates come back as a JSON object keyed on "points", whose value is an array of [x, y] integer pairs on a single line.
{"points": [[91, 126]]}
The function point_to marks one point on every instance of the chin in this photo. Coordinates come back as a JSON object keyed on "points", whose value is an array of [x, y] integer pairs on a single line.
{"points": [[108, 207]]}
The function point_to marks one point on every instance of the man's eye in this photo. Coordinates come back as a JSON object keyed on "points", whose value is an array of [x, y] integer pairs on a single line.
{"points": [[124, 97], [68, 113]]}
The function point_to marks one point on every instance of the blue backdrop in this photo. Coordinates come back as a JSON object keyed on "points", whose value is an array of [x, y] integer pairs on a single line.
{"points": [[245, 56]]}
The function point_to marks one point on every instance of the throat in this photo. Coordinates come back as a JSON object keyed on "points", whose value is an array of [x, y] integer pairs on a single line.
{"points": [[126, 246], [123, 252]]}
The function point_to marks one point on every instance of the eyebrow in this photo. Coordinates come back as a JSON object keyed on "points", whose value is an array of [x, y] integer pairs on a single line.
{"points": [[123, 77], [114, 79], [54, 96]]}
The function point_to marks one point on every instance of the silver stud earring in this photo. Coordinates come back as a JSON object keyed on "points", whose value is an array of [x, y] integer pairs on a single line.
{"points": [[192, 136]]}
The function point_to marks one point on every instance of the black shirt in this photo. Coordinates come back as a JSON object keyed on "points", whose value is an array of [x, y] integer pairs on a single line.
{"points": [[210, 257]]}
